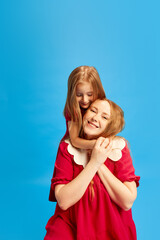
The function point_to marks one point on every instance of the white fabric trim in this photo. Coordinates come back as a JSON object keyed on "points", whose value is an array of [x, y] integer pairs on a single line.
{"points": [[80, 155], [118, 145]]}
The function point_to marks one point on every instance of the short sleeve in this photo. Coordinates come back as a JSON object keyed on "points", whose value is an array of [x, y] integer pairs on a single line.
{"points": [[124, 169], [63, 170]]}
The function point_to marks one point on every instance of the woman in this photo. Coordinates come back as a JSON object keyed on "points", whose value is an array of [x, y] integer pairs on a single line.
{"points": [[95, 192]]}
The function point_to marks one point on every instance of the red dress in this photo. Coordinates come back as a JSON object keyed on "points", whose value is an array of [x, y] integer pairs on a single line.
{"points": [[97, 218]]}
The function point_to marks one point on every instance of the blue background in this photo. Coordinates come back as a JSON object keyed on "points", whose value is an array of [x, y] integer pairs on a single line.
{"points": [[42, 41]]}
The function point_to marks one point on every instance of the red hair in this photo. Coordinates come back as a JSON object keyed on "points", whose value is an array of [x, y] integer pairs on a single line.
{"points": [[80, 75]]}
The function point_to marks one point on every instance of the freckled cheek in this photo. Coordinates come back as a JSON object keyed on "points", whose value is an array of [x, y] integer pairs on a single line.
{"points": [[85, 126], [84, 122], [88, 116], [104, 126]]}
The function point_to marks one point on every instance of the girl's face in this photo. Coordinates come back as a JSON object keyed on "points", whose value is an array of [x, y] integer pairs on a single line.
{"points": [[84, 94], [96, 119]]}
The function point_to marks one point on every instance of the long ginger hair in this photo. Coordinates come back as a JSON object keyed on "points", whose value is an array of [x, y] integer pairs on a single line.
{"points": [[80, 75]]}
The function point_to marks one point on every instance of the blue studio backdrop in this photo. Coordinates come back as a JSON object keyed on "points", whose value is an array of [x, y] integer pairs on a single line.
{"points": [[41, 43]]}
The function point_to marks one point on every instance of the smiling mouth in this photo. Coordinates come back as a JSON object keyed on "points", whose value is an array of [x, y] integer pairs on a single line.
{"points": [[92, 124], [85, 104]]}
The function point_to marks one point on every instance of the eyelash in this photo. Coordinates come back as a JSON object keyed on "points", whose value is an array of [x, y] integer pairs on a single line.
{"points": [[80, 95], [92, 110], [105, 118]]}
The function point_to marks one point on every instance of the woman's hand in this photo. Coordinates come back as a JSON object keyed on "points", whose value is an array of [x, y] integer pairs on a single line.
{"points": [[69, 194], [101, 150]]}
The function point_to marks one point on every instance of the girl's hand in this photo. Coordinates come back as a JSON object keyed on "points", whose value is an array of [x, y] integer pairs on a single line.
{"points": [[101, 150]]}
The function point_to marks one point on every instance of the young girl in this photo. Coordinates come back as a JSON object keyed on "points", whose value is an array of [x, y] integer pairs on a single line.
{"points": [[95, 192], [84, 86]]}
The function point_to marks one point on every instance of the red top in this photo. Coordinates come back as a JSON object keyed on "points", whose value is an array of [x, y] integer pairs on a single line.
{"points": [[98, 218]]}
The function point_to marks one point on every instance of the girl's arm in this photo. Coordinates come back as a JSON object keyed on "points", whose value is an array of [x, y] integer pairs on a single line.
{"points": [[68, 194], [123, 194], [77, 141]]}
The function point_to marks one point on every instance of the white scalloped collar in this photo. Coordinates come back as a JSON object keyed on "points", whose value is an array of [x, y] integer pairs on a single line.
{"points": [[80, 155]]}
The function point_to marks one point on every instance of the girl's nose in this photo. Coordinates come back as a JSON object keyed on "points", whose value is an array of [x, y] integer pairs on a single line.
{"points": [[84, 98]]}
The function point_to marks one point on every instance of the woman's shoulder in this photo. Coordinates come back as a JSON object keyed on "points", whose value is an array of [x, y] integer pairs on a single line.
{"points": [[63, 147], [119, 142], [118, 145]]}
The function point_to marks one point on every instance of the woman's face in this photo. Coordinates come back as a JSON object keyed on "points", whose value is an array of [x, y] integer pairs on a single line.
{"points": [[96, 118]]}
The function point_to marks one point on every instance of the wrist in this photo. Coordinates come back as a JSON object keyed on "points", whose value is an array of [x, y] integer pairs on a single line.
{"points": [[94, 164], [100, 169]]}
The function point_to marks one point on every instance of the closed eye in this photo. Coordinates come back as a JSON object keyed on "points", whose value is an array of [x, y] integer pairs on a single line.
{"points": [[79, 95], [92, 110], [106, 118]]}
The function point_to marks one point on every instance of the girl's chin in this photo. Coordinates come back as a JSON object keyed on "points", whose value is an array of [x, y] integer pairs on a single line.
{"points": [[90, 137], [84, 107]]}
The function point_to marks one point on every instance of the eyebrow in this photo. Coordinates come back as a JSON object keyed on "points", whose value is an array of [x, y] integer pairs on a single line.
{"points": [[106, 114]]}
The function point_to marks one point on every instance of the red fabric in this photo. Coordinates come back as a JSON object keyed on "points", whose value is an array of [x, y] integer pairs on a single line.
{"points": [[97, 219], [59, 230]]}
